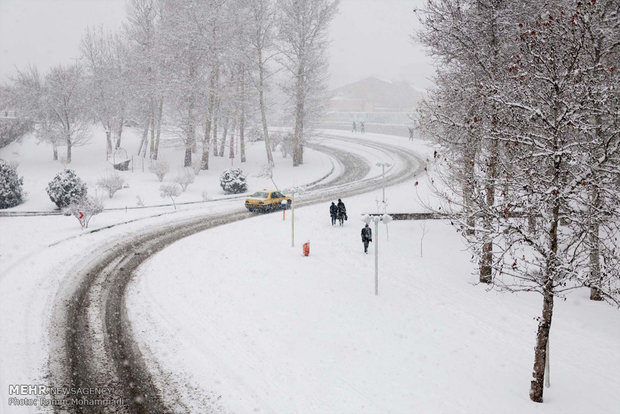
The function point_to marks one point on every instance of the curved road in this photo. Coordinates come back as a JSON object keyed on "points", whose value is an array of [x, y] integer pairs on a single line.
{"points": [[96, 348]]}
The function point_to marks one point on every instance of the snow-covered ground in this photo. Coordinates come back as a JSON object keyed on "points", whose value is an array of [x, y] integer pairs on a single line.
{"points": [[237, 316], [38, 255]]}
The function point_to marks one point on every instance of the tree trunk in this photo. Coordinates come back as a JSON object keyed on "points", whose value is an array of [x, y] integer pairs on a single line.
{"points": [[231, 144], [145, 136], [68, 149], [108, 138], [223, 142], [158, 123], [191, 134], [206, 142], [215, 118], [299, 121], [468, 187], [486, 266], [187, 160], [119, 133], [242, 117], [152, 119], [242, 136], [595, 251], [540, 354], [551, 269], [261, 103]]}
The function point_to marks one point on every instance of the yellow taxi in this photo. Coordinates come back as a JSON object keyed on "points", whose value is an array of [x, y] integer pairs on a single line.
{"points": [[266, 200]]}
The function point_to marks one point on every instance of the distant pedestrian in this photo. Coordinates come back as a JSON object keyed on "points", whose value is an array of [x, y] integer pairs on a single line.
{"points": [[410, 134], [354, 129], [362, 127], [366, 237], [333, 212]]}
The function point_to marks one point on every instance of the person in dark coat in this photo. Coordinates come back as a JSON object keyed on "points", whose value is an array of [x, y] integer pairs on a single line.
{"points": [[362, 127], [366, 237], [342, 212], [333, 212], [354, 128]]}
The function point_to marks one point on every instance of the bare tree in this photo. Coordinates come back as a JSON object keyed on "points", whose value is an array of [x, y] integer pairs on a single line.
{"points": [[261, 40], [302, 36], [64, 99], [545, 171], [105, 61]]}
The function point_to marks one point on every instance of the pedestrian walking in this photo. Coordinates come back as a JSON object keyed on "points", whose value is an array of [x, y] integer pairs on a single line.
{"points": [[333, 212], [362, 127], [354, 129], [366, 237], [410, 134], [342, 212]]}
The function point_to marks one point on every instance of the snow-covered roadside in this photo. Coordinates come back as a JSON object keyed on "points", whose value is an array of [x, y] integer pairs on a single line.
{"points": [[37, 168], [247, 320]]}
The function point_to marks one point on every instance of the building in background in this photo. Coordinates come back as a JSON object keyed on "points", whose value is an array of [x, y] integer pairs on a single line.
{"points": [[383, 106]]}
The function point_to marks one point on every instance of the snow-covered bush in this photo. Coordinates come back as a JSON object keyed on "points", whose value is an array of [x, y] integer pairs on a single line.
{"points": [[84, 209], [232, 181], [185, 178], [160, 168], [170, 191], [11, 193], [111, 183], [65, 188]]}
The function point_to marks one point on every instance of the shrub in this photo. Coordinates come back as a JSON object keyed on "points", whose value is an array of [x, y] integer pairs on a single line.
{"points": [[112, 183], [11, 193], [232, 181], [160, 169], [84, 209], [170, 191], [65, 188], [185, 178]]}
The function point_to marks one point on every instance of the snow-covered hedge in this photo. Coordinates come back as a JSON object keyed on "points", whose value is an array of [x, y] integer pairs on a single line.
{"points": [[11, 193], [232, 181], [65, 188]]}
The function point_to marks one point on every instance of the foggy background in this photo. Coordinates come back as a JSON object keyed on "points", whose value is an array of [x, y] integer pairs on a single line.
{"points": [[369, 37]]}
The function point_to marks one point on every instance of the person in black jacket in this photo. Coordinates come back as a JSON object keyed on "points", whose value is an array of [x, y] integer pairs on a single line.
{"points": [[342, 212], [333, 212], [366, 237]]}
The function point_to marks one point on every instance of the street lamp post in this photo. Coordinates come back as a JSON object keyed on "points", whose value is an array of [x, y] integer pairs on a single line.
{"points": [[385, 219], [383, 165]]}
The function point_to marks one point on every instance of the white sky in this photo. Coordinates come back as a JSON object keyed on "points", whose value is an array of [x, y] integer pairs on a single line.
{"points": [[369, 37]]}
